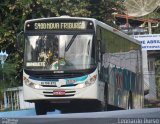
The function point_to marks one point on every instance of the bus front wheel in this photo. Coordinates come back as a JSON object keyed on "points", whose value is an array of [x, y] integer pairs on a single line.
{"points": [[40, 108], [130, 100], [105, 103]]}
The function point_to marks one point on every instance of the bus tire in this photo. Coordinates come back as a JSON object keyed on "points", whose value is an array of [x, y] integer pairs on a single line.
{"points": [[130, 100], [105, 104], [40, 108]]}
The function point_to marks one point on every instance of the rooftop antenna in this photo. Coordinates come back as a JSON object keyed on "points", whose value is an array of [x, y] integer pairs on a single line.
{"points": [[138, 8]]}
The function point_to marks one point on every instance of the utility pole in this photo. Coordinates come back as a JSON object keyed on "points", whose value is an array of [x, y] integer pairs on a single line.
{"points": [[149, 27]]}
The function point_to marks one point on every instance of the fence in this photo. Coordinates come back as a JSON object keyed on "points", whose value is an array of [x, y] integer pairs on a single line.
{"points": [[13, 100]]}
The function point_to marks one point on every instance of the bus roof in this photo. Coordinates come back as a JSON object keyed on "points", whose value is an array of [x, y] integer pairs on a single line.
{"points": [[61, 17], [116, 31]]}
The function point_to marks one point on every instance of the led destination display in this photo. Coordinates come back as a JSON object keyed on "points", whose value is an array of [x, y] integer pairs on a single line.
{"points": [[59, 25]]}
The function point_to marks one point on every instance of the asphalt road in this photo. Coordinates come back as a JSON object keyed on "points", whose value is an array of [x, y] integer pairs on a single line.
{"points": [[135, 116]]}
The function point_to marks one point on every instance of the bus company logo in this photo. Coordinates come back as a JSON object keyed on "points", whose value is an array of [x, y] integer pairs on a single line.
{"points": [[58, 84]]}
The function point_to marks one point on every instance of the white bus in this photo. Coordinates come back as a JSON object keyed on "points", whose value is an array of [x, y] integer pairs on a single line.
{"points": [[75, 63]]}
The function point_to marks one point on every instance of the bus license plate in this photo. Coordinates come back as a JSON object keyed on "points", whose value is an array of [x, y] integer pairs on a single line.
{"points": [[59, 92]]}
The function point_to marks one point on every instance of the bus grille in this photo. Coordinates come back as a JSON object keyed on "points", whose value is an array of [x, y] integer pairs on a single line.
{"points": [[67, 94]]}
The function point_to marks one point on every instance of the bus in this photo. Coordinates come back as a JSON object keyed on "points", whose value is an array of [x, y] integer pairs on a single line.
{"points": [[73, 63]]}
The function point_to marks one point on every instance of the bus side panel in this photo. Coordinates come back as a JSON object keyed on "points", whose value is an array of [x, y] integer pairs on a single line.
{"points": [[120, 68]]}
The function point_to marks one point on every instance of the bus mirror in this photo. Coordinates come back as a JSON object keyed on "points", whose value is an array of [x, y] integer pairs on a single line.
{"points": [[19, 39]]}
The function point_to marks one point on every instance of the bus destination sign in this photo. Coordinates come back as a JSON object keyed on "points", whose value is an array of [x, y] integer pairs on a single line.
{"points": [[59, 25]]}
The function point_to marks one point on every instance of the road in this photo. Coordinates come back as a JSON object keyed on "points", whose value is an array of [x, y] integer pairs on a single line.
{"points": [[135, 116]]}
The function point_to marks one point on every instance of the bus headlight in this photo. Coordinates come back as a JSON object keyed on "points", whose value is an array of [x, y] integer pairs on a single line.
{"points": [[88, 82], [31, 84], [81, 85]]}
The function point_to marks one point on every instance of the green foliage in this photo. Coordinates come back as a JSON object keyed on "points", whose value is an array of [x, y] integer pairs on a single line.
{"points": [[7, 77], [73, 7]]}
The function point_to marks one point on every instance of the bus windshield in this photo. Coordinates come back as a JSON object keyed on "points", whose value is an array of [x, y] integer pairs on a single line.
{"points": [[59, 52]]}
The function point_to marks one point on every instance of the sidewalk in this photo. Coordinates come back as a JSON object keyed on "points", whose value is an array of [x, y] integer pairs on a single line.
{"points": [[152, 103], [22, 113]]}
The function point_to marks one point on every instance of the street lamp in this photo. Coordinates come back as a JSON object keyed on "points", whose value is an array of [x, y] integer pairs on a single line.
{"points": [[3, 57]]}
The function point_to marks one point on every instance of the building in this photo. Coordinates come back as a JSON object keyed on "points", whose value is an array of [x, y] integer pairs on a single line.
{"points": [[151, 57]]}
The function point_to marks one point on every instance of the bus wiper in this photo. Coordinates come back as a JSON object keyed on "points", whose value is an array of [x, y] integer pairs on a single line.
{"points": [[70, 43], [88, 47]]}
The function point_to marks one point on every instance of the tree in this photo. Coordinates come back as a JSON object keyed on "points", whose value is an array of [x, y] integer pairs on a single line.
{"points": [[103, 10]]}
